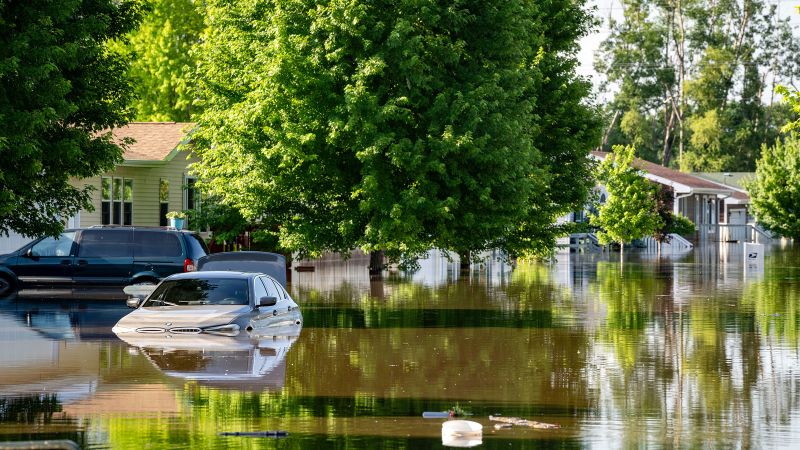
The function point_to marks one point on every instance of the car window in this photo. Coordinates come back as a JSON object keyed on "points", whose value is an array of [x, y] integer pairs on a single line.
{"points": [[192, 292], [58, 246], [155, 244], [197, 247], [271, 290], [275, 287], [105, 244], [260, 290], [281, 291]]}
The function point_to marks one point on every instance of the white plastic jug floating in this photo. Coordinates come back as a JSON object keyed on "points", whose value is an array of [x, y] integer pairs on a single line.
{"points": [[462, 433]]}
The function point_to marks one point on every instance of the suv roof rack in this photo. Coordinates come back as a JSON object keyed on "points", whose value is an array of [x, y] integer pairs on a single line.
{"points": [[144, 227]]}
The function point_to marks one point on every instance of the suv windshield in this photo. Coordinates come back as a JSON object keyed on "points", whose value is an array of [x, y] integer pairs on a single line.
{"points": [[210, 291]]}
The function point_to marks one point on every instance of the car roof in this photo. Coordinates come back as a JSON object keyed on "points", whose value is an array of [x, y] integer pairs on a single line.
{"points": [[214, 274], [134, 228]]}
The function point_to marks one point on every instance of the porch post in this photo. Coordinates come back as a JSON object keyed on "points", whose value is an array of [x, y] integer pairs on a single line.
{"points": [[725, 209]]}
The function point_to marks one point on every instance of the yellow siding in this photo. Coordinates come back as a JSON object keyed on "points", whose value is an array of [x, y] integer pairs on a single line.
{"points": [[145, 190]]}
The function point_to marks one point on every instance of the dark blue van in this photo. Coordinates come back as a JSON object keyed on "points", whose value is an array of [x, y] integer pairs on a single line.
{"points": [[98, 261]]}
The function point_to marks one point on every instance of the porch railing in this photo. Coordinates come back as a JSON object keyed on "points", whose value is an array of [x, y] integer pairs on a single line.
{"points": [[725, 232]]}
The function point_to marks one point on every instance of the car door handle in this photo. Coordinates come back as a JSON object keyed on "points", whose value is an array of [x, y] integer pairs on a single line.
{"points": [[82, 262], [66, 262]]}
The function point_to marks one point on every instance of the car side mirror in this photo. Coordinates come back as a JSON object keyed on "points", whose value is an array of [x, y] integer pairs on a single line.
{"points": [[133, 302], [29, 252], [267, 301]]}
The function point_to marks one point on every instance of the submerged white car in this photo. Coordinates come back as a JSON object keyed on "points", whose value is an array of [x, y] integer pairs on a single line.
{"points": [[231, 293]]}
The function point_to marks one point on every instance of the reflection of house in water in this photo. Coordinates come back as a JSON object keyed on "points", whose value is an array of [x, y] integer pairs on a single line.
{"points": [[715, 268], [435, 270], [51, 350], [33, 363]]}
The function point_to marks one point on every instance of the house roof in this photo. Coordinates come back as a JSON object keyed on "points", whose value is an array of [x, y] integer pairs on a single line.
{"points": [[733, 179], [683, 183], [153, 141]]}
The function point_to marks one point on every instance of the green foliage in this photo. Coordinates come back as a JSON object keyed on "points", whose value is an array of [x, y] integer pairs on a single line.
{"points": [[176, 215], [692, 79], [60, 85], [775, 190], [396, 126], [630, 210], [670, 222], [793, 99], [225, 222], [163, 60], [680, 224]]}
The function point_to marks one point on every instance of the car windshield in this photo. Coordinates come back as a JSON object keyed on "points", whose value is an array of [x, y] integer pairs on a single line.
{"points": [[208, 291]]}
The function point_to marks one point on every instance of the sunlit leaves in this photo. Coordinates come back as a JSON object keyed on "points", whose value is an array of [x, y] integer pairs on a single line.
{"points": [[630, 211], [396, 126], [775, 191], [60, 85]]}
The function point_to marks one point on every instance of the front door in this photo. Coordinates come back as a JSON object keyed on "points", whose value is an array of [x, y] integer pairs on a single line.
{"points": [[47, 265]]}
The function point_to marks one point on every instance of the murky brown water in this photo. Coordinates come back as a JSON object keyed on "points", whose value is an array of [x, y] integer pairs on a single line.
{"points": [[681, 351]]}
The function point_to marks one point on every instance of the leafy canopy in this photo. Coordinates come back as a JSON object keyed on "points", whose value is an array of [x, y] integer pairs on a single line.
{"points": [[775, 190], [60, 85], [630, 210], [692, 80], [396, 126], [163, 61], [792, 98]]}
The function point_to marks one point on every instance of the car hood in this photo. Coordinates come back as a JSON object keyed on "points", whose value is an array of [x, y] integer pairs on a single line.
{"points": [[169, 317], [6, 258]]}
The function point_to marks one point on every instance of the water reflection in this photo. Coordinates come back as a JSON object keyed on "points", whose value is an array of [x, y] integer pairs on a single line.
{"points": [[677, 351], [243, 362]]}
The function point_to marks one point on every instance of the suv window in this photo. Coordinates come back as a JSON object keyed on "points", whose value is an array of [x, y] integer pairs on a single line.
{"points": [[197, 247], [105, 244], [50, 246], [150, 244]]}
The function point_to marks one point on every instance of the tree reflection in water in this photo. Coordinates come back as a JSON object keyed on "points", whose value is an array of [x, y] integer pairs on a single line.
{"points": [[678, 352]]}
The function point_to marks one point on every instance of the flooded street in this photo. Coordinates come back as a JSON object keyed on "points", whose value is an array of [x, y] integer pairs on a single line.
{"points": [[677, 351]]}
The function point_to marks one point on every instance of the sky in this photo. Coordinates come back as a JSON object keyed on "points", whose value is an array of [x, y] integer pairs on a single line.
{"points": [[613, 9]]}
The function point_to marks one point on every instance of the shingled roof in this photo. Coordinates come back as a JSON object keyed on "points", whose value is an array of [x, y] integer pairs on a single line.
{"points": [[154, 141], [672, 176]]}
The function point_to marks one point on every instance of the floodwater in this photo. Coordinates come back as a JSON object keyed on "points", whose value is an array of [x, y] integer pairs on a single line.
{"points": [[674, 351]]}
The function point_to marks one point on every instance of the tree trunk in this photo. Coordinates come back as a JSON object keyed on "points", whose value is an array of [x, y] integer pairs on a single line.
{"points": [[667, 151], [376, 265], [464, 261]]}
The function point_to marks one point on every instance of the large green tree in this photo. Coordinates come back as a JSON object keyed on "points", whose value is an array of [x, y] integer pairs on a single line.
{"points": [[692, 82], [775, 190], [396, 126], [630, 211], [792, 98], [60, 86], [163, 60]]}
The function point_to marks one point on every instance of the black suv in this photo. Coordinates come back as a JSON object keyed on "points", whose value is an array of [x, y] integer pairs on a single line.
{"points": [[97, 261]]}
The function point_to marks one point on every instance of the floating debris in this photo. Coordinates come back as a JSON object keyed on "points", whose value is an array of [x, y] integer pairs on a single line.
{"points": [[255, 433], [436, 415], [525, 423], [455, 411], [462, 433]]}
